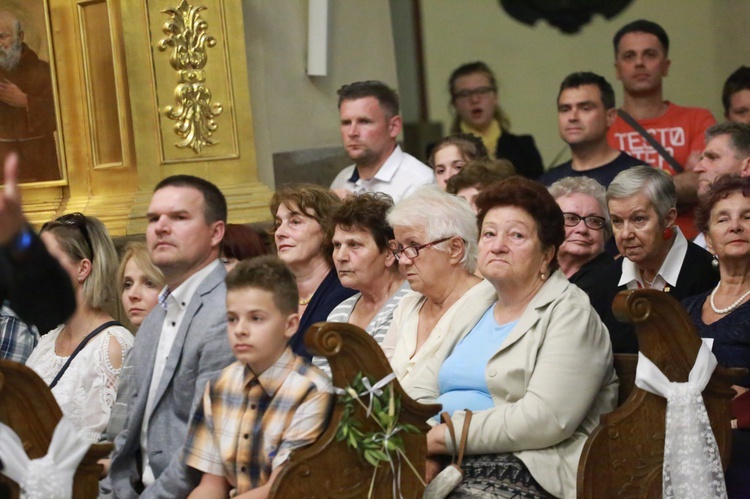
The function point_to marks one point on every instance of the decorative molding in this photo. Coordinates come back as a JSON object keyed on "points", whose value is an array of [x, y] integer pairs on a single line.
{"points": [[194, 113]]}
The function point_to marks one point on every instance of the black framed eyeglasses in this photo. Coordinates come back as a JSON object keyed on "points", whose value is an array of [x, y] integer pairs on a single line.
{"points": [[470, 92], [77, 220], [593, 222], [412, 252]]}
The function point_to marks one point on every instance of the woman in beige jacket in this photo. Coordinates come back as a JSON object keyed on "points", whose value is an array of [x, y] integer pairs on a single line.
{"points": [[537, 367]]}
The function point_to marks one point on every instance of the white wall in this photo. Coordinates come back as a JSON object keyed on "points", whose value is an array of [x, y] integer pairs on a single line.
{"points": [[292, 111], [708, 38]]}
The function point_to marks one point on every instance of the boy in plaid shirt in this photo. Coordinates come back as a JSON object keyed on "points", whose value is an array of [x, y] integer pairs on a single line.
{"points": [[266, 404]]}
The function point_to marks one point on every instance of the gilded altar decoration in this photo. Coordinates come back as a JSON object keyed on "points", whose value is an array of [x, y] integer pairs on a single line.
{"points": [[194, 113]]}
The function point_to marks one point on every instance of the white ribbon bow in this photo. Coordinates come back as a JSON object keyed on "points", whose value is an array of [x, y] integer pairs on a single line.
{"points": [[48, 477], [692, 464], [371, 390], [395, 470]]}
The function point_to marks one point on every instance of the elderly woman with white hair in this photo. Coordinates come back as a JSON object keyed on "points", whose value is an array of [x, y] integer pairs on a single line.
{"points": [[436, 248], [656, 255], [582, 256]]}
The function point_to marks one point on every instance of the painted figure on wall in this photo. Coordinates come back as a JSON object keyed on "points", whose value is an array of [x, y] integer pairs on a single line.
{"points": [[27, 106]]}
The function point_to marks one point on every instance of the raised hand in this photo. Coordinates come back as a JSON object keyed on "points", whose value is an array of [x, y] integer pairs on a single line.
{"points": [[11, 214]]}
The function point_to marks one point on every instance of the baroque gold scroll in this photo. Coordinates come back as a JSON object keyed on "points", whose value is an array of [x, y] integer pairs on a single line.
{"points": [[194, 112]]}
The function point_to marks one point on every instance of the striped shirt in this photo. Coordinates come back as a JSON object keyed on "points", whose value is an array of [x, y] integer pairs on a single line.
{"points": [[377, 327], [248, 425]]}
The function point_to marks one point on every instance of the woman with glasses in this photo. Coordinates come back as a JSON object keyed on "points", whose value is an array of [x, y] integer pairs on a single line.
{"points": [[435, 246], [656, 255], [473, 90], [581, 256], [535, 369], [82, 358]]}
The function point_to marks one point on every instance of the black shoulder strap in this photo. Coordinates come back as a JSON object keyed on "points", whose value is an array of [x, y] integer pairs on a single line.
{"points": [[80, 346], [651, 140]]}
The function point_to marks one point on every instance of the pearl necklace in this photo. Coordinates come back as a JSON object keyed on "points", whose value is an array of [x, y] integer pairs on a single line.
{"points": [[722, 311]]}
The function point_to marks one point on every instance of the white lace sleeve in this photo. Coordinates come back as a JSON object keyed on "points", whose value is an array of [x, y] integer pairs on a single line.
{"points": [[97, 399]]}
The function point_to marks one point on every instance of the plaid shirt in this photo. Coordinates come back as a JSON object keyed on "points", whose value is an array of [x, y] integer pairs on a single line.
{"points": [[17, 339], [248, 425]]}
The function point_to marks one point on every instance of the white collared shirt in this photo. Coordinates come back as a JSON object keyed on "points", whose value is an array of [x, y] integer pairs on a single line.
{"points": [[668, 273], [398, 176], [700, 240], [176, 303]]}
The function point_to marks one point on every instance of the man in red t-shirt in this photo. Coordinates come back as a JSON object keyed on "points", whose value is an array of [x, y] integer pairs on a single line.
{"points": [[641, 62]]}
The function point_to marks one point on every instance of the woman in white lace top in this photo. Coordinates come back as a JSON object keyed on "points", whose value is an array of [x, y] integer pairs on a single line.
{"points": [[87, 388]]}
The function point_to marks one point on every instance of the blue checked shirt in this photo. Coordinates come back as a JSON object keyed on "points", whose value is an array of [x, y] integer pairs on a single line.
{"points": [[247, 425], [17, 339]]}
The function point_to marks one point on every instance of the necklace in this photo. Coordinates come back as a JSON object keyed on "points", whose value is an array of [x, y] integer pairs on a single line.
{"points": [[305, 302], [722, 311]]}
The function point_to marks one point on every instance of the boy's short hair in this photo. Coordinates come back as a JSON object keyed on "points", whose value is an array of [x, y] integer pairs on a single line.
{"points": [[270, 274]]}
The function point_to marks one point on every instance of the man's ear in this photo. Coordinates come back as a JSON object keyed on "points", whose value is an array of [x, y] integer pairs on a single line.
{"points": [[745, 167], [611, 116], [665, 68], [217, 233], [394, 126]]}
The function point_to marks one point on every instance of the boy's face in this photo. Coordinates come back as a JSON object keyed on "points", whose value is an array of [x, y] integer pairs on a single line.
{"points": [[258, 331]]}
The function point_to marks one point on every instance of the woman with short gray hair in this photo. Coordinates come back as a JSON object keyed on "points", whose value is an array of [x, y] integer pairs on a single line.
{"points": [[436, 248], [656, 255], [581, 256]]}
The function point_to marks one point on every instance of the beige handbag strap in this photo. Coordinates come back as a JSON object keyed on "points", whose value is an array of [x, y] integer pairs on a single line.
{"points": [[464, 436]]}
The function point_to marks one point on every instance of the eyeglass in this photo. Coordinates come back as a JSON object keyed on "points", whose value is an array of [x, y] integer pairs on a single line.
{"points": [[592, 221], [77, 220], [470, 92], [412, 252]]}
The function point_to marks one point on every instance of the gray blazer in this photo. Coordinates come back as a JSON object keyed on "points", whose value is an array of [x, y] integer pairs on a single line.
{"points": [[200, 350]]}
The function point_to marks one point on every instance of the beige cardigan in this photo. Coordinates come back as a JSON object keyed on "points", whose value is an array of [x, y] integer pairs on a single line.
{"points": [[550, 381], [417, 372]]}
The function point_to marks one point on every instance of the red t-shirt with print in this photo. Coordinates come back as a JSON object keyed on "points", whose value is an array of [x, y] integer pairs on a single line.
{"points": [[681, 130]]}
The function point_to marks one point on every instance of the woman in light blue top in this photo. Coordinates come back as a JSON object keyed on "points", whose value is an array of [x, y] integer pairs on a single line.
{"points": [[536, 369]]}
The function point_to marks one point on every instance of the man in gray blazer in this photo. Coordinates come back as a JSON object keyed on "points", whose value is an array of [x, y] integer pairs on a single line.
{"points": [[180, 344]]}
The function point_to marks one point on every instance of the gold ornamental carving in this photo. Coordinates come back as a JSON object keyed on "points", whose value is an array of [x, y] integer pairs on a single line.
{"points": [[194, 112]]}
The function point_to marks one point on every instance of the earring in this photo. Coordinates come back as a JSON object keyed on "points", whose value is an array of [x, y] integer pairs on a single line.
{"points": [[543, 275], [668, 233], [715, 261]]}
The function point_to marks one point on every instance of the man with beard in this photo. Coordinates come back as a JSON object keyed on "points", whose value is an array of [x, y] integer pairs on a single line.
{"points": [[27, 107], [370, 124]]}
